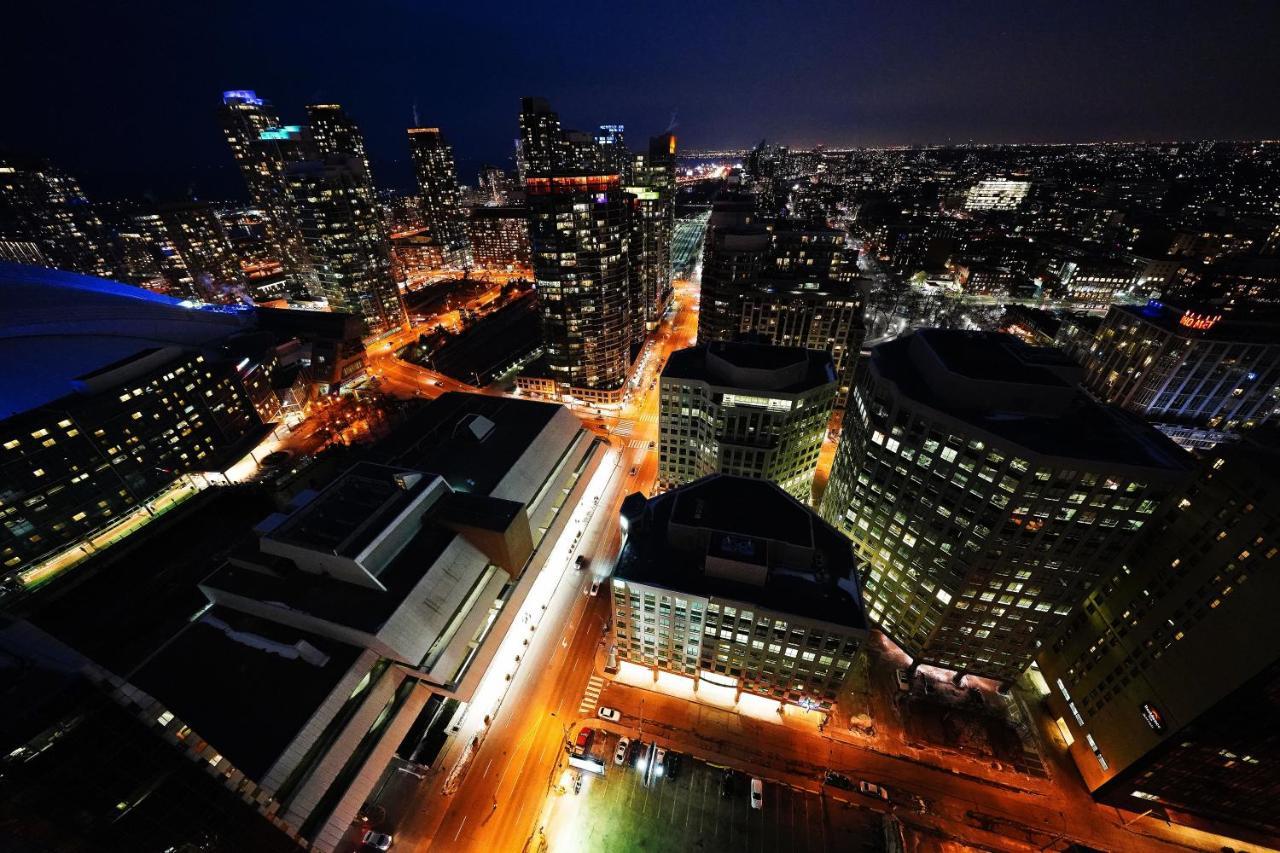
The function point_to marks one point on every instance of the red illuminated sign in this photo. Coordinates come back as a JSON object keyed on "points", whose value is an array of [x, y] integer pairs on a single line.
{"points": [[1199, 322]]}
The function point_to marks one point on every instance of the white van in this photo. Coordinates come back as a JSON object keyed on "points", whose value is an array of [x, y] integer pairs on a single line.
{"points": [[757, 794]]}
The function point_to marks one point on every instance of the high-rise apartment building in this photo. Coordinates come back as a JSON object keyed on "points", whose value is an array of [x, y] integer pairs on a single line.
{"points": [[335, 134], [192, 253], [987, 493], [499, 238], [1199, 376], [346, 240], [734, 583], [579, 225], [611, 141], [44, 209], [653, 212], [263, 148], [751, 410], [438, 193], [1165, 681]]}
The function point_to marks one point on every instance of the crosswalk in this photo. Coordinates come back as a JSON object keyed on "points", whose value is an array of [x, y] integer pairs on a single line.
{"points": [[649, 417], [591, 697], [625, 428], [637, 443]]}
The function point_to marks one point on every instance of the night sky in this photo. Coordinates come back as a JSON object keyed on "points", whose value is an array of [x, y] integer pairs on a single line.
{"points": [[123, 94]]}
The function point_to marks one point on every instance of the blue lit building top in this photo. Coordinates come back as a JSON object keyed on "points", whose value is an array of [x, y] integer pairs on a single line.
{"points": [[289, 131], [57, 326], [241, 96]]}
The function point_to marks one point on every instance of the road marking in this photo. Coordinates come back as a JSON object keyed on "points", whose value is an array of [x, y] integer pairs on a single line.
{"points": [[486, 769], [459, 832]]}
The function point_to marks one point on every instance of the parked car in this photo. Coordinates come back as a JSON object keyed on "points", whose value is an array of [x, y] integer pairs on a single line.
{"points": [[872, 790], [583, 743], [580, 562], [839, 780], [620, 754], [595, 587], [658, 760], [903, 680], [633, 754], [757, 794], [726, 785], [673, 765], [610, 714], [376, 840]]}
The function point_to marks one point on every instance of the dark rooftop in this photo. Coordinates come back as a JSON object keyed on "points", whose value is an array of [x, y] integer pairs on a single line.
{"points": [[248, 702], [353, 509], [744, 517], [1069, 424], [1255, 326], [759, 366], [437, 438]]}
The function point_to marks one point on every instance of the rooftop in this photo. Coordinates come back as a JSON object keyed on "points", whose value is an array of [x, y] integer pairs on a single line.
{"points": [[242, 684], [752, 366], [1208, 323], [1023, 394], [747, 521]]}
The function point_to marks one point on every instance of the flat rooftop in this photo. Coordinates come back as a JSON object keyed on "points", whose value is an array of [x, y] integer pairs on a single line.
{"points": [[438, 439], [742, 516], [247, 701], [353, 509], [752, 366]]}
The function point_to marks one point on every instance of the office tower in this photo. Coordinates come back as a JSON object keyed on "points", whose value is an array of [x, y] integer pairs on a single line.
{"points": [[541, 144], [578, 228], [751, 410], [438, 193], [192, 252], [1094, 282], [996, 194], [653, 208], [110, 393], [263, 148], [611, 141], [346, 240], [494, 185], [987, 493], [499, 238], [1165, 681], [785, 283], [44, 208], [752, 591], [335, 134], [1198, 375]]}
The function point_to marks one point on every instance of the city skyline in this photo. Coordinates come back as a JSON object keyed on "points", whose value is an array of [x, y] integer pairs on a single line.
{"points": [[842, 76]]}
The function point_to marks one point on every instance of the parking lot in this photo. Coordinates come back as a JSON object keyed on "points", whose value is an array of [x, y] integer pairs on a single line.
{"points": [[620, 813]]}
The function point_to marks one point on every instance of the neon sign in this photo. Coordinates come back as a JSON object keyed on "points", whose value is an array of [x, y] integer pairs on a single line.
{"points": [[1152, 717], [1199, 322]]}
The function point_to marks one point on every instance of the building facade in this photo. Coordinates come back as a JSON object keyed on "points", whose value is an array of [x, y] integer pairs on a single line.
{"points": [[734, 583], [1165, 681], [499, 238], [438, 193], [750, 410], [987, 494], [1198, 376], [45, 218], [346, 241], [996, 194], [191, 251]]}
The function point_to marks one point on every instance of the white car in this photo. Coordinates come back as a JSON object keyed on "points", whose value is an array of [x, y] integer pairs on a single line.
{"points": [[610, 714], [658, 761], [376, 840], [620, 754], [872, 790], [757, 794], [595, 587]]}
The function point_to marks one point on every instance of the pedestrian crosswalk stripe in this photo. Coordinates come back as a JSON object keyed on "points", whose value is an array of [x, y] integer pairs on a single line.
{"points": [[637, 443]]}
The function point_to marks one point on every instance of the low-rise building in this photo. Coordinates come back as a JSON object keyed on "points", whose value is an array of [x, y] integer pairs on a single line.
{"points": [[734, 583]]}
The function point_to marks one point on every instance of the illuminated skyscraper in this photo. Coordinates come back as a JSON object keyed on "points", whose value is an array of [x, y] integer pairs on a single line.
{"points": [[653, 212], [613, 149], [262, 148], [193, 252], [44, 206], [578, 227], [346, 240], [438, 193], [335, 134]]}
